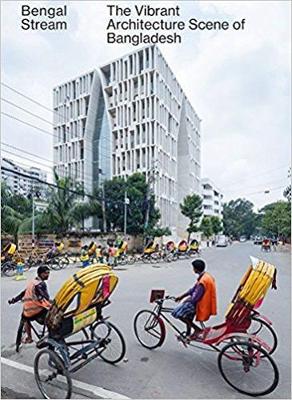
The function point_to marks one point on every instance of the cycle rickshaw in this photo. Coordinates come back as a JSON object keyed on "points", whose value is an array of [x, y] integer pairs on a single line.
{"points": [[244, 355], [77, 310]]}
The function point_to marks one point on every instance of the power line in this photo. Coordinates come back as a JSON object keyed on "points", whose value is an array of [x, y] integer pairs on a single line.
{"points": [[100, 199], [257, 175], [41, 105], [27, 152], [28, 112], [254, 186], [26, 158], [26, 97], [88, 180], [48, 184], [263, 191], [50, 133]]}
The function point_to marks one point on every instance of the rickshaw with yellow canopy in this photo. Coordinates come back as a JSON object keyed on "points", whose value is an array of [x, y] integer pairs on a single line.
{"points": [[77, 311]]}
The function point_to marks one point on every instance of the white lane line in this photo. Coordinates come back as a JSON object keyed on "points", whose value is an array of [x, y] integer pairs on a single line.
{"points": [[96, 390]]}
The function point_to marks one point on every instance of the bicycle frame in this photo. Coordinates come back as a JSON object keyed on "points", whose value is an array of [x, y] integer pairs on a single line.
{"points": [[159, 310]]}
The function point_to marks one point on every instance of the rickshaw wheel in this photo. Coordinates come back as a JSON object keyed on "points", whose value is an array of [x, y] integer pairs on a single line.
{"points": [[112, 339], [149, 329], [248, 368], [264, 330], [51, 376]]}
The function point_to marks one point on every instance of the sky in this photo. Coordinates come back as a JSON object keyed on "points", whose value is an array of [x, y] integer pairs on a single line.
{"points": [[239, 83]]}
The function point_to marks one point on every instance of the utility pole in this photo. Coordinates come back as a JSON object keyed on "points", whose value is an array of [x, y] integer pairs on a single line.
{"points": [[33, 216], [151, 179], [103, 208], [126, 202]]}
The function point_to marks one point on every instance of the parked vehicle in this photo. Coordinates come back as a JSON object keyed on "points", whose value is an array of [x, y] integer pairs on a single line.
{"points": [[258, 240], [222, 241]]}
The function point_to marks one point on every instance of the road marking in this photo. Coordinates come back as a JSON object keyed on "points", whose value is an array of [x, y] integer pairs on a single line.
{"points": [[96, 390]]}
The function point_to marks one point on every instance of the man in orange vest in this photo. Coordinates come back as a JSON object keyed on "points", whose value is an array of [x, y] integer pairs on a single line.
{"points": [[201, 300], [36, 300]]}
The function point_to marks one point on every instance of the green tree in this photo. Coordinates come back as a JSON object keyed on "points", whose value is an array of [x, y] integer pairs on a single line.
{"points": [[191, 207], [239, 218], [206, 227], [216, 224], [62, 200], [80, 212], [276, 219], [157, 232], [14, 209], [137, 189]]}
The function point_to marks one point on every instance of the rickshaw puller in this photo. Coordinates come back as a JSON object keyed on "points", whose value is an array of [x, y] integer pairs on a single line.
{"points": [[201, 300], [36, 300]]}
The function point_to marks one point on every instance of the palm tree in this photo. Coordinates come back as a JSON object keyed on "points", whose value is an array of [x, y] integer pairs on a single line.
{"points": [[61, 204]]}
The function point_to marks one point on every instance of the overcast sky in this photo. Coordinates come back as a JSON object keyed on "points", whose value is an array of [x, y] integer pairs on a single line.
{"points": [[239, 83]]}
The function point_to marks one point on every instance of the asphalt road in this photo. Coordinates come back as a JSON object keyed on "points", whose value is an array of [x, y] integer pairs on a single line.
{"points": [[171, 371]]}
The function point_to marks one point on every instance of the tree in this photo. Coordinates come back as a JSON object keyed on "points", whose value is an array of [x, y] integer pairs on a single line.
{"points": [[216, 224], [80, 212], [61, 203], [191, 207], [136, 188], [14, 209], [239, 218], [158, 232], [206, 227], [276, 219]]}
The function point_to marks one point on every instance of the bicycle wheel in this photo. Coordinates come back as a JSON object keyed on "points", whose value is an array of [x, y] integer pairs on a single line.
{"points": [[9, 269], [248, 368], [264, 331], [51, 376], [149, 329], [131, 260], [54, 264], [64, 262], [112, 340]]}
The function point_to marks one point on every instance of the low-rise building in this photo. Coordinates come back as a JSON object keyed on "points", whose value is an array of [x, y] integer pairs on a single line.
{"points": [[212, 199], [18, 184]]}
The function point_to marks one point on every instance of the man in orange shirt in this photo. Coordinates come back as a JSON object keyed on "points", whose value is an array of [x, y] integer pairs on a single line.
{"points": [[36, 300], [200, 299]]}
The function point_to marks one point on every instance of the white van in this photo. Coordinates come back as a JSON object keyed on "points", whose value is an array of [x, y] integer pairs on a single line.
{"points": [[221, 241]]}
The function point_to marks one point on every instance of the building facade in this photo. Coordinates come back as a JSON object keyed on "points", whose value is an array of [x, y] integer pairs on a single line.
{"points": [[212, 199], [23, 185], [133, 116]]}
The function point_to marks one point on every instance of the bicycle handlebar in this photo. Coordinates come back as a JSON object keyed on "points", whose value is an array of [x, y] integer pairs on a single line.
{"points": [[168, 297]]}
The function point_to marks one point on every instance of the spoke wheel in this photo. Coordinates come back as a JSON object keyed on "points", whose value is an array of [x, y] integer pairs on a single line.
{"points": [[264, 331], [111, 339], [248, 368], [54, 264], [149, 329], [9, 269], [131, 260], [64, 262], [51, 376]]}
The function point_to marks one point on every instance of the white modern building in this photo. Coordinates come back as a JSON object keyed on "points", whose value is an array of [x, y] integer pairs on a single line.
{"points": [[130, 115], [212, 199], [19, 184]]}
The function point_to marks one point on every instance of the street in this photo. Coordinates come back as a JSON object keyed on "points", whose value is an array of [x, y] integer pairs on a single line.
{"points": [[171, 371]]}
